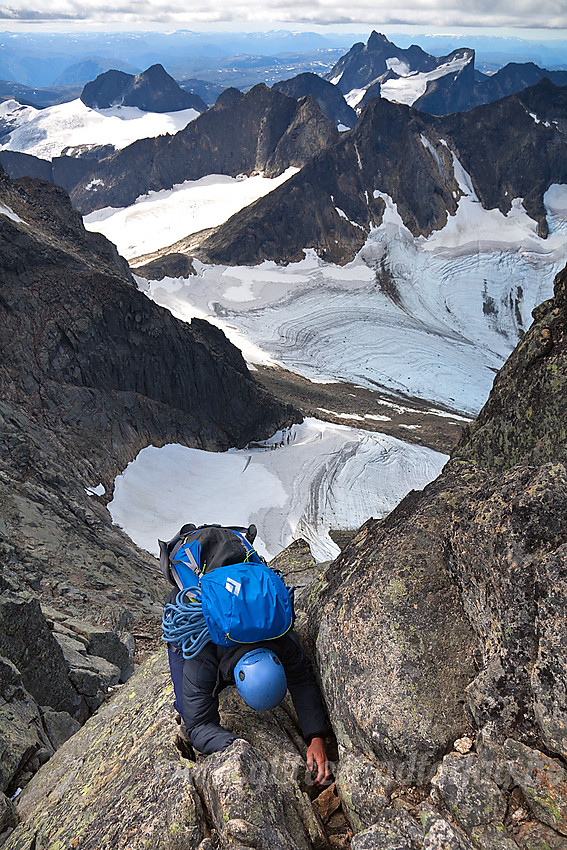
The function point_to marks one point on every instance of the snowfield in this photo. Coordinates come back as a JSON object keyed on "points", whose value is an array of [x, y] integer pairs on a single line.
{"points": [[301, 483], [430, 317], [47, 132], [163, 218]]}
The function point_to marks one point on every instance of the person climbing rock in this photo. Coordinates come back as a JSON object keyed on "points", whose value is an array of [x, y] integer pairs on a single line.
{"points": [[224, 593]]}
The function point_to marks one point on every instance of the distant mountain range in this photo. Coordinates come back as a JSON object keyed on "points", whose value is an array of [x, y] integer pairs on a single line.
{"points": [[436, 85]]}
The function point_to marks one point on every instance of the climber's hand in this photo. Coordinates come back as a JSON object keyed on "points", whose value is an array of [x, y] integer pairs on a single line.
{"points": [[317, 760]]}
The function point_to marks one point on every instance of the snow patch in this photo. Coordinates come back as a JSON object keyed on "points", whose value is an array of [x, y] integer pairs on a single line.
{"points": [[538, 120], [301, 483], [99, 490], [401, 68], [45, 133], [409, 87], [354, 97], [7, 211]]}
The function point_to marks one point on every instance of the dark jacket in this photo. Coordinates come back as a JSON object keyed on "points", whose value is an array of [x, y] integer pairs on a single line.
{"points": [[212, 670]]}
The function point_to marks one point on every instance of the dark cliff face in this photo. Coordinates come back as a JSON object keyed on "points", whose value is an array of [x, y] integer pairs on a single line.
{"points": [[263, 130], [507, 153], [88, 356], [327, 95], [153, 90]]}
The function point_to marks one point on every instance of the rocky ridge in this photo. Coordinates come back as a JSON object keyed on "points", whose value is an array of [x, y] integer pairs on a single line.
{"points": [[407, 155], [262, 130], [328, 97], [362, 71], [438, 637], [154, 90]]}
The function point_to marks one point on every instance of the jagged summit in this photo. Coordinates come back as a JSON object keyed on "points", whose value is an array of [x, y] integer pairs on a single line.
{"points": [[263, 130], [154, 90], [381, 69], [407, 155]]}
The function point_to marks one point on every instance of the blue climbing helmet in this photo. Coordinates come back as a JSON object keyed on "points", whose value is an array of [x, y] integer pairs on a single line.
{"points": [[260, 679]]}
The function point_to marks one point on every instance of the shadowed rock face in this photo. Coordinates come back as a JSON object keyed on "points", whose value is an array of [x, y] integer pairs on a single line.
{"points": [[153, 91], [326, 94], [240, 134], [91, 358], [469, 89], [506, 152]]}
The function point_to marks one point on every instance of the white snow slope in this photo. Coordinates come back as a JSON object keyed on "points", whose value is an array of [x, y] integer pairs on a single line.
{"points": [[47, 132], [162, 218], [462, 298], [300, 483], [410, 85]]}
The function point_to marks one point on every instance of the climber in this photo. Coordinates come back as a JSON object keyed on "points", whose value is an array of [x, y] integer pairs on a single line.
{"points": [[198, 681], [262, 670]]}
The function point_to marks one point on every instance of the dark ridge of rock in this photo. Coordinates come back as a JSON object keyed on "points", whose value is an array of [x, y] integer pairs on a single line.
{"points": [[384, 151], [240, 134], [450, 93], [328, 96], [154, 90], [513, 77], [365, 66], [87, 355], [364, 63], [171, 265], [17, 164], [507, 153]]}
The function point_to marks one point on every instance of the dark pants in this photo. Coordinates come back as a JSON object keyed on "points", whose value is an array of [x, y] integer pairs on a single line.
{"points": [[176, 669]]}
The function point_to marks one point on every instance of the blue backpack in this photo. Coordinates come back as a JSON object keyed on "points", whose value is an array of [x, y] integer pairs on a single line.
{"points": [[227, 593]]}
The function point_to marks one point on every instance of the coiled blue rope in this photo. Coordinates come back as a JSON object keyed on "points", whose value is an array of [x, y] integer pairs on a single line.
{"points": [[183, 622]]}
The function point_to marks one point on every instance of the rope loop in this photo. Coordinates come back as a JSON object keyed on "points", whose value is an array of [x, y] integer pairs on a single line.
{"points": [[183, 622]]}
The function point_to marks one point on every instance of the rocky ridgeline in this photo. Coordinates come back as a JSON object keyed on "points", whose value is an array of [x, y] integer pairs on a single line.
{"points": [[439, 638], [368, 66], [398, 151]]}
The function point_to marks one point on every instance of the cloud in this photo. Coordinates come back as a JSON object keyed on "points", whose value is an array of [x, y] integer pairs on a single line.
{"points": [[545, 14]]}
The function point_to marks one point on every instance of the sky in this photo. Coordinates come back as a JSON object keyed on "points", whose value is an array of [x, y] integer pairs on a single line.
{"points": [[548, 17]]}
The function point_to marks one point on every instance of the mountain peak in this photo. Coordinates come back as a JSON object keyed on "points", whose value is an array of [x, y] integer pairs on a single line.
{"points": [[154, 90]]}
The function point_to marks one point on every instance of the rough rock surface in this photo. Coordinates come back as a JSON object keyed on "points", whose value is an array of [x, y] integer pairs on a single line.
{"points": [[143, 793], [506, 153], [154, 90]]}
